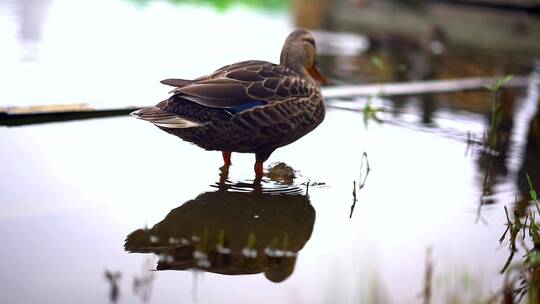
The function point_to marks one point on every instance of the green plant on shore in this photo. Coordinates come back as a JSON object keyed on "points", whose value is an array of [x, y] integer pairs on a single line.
{"points": [[490, 138], [370, 112], [523, 278], [364, 173], [496, 109], [222, 5]]}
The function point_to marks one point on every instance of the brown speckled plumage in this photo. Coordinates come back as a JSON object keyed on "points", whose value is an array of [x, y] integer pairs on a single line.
{"points": [[250, 106]]}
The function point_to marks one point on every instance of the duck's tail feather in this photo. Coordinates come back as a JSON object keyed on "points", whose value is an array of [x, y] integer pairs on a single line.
{"points": [[165, 119], [175, 82]]}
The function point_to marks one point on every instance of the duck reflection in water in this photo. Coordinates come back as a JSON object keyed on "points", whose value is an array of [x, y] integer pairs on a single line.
{"points": [[232, 232]]}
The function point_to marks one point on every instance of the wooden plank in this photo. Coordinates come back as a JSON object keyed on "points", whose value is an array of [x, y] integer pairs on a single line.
{"points": [[62, 108], [19, 116]]}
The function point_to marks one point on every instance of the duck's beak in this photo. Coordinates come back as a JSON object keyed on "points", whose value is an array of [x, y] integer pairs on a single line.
{"points": [[316, 74]]}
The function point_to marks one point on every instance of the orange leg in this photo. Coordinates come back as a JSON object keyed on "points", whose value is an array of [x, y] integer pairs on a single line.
{"points": [[226, 158], [258, 169]]}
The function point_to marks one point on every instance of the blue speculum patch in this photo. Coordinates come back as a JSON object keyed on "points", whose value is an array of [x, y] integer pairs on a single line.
{"points": [[244, 106]]}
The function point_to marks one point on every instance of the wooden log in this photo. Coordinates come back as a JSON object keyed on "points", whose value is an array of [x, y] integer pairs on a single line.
{"points": [[18, 116]]}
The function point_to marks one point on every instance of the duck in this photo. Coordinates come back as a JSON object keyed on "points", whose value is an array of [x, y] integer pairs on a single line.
{"points": [[251, 106]]}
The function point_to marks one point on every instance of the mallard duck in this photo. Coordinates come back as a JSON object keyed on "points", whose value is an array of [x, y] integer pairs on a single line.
{"points": [[248, 107]]}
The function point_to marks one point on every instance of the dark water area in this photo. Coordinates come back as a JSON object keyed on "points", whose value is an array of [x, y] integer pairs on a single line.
{"points": [[115, 210]]}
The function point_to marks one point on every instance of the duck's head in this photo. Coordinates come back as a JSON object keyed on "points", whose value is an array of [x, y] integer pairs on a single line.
{"points": [[299, 54]]}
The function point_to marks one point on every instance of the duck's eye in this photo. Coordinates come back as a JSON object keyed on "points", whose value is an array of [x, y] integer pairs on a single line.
{"points": [[310, 41]]}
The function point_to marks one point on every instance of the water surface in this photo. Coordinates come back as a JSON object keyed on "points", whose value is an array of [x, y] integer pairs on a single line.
{"points": [[73, 192]]}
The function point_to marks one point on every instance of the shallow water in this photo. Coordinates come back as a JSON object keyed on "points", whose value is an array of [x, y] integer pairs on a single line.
{"points": [[72, 192]]}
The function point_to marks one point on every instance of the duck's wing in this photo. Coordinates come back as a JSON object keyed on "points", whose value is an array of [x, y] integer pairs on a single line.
{"points": [[243, 85]]}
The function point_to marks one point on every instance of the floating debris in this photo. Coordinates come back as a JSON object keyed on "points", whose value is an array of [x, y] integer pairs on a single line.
{"points": [[281, 172], [142, 285], [113, 278], [364, 173]]}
